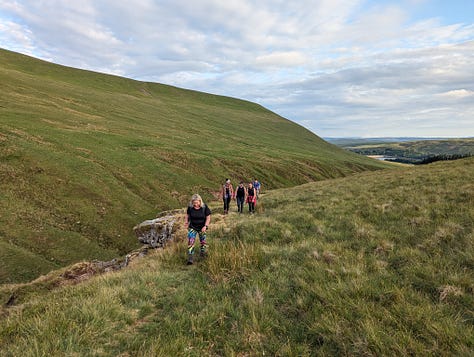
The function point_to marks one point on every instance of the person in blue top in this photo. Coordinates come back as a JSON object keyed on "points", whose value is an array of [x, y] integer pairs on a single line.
{"points": [[256, 186], [198, 217]]}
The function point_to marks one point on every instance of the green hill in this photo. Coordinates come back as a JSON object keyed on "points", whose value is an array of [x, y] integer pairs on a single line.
{"points": [[85, 156], [376, 264]]}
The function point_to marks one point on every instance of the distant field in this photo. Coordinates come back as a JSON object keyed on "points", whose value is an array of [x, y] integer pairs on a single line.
{"points": [[349, 142], [411, 151]]}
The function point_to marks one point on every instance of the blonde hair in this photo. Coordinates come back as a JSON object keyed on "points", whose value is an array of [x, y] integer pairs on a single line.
{"points": [[196, 197]]}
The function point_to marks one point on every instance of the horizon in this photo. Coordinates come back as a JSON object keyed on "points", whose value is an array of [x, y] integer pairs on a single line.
{"points": [[398, 137], [335, 76]]}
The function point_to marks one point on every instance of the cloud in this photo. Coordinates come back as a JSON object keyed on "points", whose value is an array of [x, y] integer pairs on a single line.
{"points": [[423, 90], [334, 66], [458, 94], [281, 59], [15, 37]]}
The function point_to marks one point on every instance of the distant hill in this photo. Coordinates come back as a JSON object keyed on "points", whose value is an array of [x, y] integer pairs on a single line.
{"points": [[413, 151], [85, 156], [349, 142]]}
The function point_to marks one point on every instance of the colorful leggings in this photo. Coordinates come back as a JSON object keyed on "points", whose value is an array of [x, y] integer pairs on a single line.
{"points": [[192, 233]]}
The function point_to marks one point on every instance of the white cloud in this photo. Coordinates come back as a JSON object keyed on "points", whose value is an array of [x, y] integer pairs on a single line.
{"points": [[281, 59], [15, 36], [458, 94]]}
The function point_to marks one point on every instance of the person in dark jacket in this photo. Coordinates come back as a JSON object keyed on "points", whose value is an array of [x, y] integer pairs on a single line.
{"points": [[198, 217], [240, 196], [227, 193]]}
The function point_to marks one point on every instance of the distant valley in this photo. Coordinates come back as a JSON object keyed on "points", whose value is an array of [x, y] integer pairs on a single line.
{"points": [[409, 150]]}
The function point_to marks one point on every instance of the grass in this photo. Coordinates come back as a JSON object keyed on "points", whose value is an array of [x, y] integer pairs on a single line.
{"points": [[85, 156], [376, 264]]}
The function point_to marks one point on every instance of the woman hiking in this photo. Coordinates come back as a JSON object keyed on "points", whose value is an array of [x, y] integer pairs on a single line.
{"points": [[256, 186], [198, 217], [240, 195], [251, 198], [227, 192]]}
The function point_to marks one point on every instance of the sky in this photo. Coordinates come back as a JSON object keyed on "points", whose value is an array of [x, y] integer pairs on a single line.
{"points": [[340, 68]]}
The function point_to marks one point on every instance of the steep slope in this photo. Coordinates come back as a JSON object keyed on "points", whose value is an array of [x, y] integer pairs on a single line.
{"points": [[85, 156]]}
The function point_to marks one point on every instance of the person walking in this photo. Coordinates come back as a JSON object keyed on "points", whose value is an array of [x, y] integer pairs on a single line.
{"points": [[227, 192], [198, 217], [251, 197], [256, 186], [240, 195]]}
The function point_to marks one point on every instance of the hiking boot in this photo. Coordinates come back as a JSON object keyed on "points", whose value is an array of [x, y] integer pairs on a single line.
{"points": [[203, 254], [190, 260]]}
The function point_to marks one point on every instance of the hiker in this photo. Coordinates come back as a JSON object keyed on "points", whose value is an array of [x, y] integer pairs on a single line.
{"points": [[227, 193], [256, 185], [240, 195], [198, 217], [251, 197]]}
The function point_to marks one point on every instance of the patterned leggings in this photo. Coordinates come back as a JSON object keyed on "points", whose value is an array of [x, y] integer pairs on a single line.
{"points": [[192, 233]]}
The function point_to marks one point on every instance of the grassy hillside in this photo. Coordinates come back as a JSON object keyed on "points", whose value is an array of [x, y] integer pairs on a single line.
{"points": [[377, 264], [86, 156]]}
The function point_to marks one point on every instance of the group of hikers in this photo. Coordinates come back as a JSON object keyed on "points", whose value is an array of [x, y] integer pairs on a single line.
{"points": [[198, 215], [241, 195]]}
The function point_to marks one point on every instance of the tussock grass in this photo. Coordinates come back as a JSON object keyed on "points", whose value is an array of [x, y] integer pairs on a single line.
{"points": [[375, 265]]}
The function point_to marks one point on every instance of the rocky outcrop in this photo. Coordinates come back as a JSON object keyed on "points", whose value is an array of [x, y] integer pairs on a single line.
{"points": [[156, 232]]}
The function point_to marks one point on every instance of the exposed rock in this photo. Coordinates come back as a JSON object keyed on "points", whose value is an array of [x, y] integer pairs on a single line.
{"points": [[156, 232]]}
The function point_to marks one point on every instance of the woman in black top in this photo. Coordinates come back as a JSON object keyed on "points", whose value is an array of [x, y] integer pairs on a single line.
{"points": [[198, 217], [240, 194]]}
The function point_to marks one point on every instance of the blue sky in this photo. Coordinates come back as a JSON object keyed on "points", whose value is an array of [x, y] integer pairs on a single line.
{"points": [[338, 67]]}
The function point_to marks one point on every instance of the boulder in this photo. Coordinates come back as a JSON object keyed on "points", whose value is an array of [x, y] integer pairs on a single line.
{"points": [[156, 232]]}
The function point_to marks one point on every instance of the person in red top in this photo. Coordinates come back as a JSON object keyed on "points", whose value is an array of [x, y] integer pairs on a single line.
{"points": [[251, 197]]}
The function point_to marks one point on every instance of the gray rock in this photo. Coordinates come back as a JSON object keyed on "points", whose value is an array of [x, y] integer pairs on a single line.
{"points": [[155, 232]]}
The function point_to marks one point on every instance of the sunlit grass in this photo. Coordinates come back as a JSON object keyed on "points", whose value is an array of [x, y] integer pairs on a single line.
{"points": [[376, 264]]}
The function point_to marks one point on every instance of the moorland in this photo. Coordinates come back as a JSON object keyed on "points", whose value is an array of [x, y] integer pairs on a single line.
{"points": [[345, 255], [374, 264]]}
